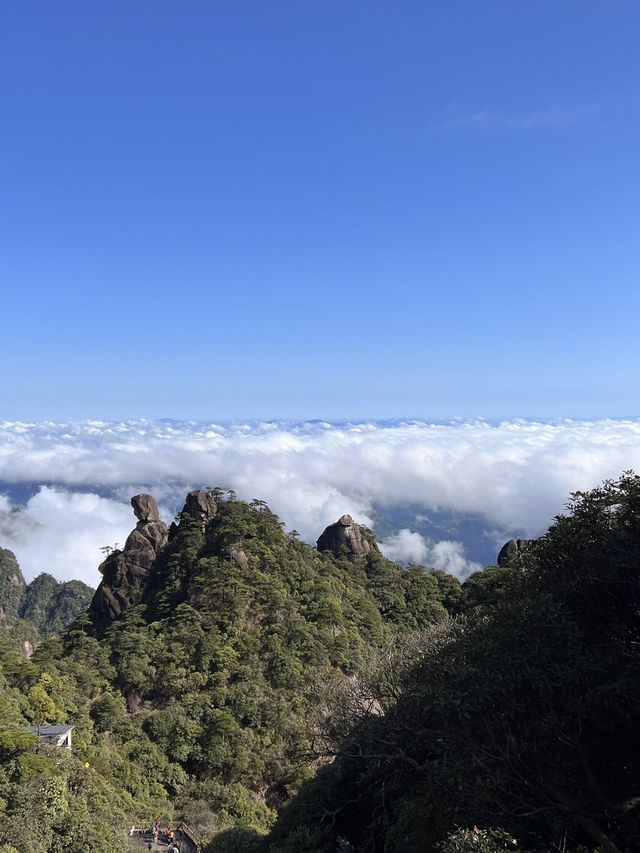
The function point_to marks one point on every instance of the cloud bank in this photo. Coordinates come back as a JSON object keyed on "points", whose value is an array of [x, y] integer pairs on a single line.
{"points": [[409, 546], [61, 532], [517, 474]]}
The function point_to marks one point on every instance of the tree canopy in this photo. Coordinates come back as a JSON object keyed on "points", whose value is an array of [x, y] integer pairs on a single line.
{"points": [[284, 700]]}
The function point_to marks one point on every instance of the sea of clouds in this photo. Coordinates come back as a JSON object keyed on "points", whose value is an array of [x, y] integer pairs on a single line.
{"points": [[79, 476]]}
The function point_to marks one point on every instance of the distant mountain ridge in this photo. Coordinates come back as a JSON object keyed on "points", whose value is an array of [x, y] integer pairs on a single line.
{"points": [[47, 605]]}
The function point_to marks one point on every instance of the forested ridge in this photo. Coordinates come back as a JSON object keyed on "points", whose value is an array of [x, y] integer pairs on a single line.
{"points": [[280, 698], [30, 612]]}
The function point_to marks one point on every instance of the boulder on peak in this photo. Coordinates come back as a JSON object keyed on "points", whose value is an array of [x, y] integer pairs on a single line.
{"points": [[145, 508], [125, 572], [201, 505], [345, 535], [510, 550]]}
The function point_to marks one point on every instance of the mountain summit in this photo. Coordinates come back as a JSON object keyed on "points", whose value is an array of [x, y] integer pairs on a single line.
{"points": [[125, 572], [347, 537]]}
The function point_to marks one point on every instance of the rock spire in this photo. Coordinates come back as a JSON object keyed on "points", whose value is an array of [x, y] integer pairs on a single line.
{"points": [[125, 572]]}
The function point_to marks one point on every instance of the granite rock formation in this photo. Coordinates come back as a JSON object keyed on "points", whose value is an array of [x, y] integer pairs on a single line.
{"points": [[125, 572], [200, 505], [510, 550], [237, 555], [345, 536], [145, 508]]}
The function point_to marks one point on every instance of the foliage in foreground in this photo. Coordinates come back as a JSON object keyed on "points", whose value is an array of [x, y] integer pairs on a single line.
{"points": [[518, 722], [409, 712]]}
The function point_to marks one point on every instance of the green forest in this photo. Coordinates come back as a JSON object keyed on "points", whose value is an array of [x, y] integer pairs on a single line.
{"points": [[283, 699], [42, 608]]}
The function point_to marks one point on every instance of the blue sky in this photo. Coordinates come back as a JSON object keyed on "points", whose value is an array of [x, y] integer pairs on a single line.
{"points": [[219, 210]]}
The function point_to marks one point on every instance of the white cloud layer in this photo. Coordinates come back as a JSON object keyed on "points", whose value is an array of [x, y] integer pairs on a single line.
{"points": [[61, 532], [517, 474], [408, 546]]}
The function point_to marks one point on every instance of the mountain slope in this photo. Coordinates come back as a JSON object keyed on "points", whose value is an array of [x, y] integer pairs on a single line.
{"points": [[517, 722], [41, 608], [203, 691], [12, 584]]}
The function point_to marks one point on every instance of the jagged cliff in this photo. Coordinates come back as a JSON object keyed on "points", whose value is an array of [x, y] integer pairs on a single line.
{"points": [[222, 630], [241, 661]]}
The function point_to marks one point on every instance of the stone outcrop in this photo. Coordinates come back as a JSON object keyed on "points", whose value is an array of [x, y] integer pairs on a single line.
{"points": [[510, 550], [345, 536], [145, 508], [125, 572], [237, 555], [200, 505]]}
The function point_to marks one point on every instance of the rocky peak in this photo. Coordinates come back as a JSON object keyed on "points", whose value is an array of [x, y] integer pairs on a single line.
{"points": [[346, 535], [510, 550], [125, 572], [201, 505], [145, 508]]}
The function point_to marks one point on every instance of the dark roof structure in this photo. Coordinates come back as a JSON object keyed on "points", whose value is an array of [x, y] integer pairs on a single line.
{"points": [[49, 731]]}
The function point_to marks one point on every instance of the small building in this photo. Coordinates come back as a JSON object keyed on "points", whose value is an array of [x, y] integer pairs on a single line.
{"points": [[54, 735]]}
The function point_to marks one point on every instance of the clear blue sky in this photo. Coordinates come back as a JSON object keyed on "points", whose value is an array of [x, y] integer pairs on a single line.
{"points": [[319, 209]]}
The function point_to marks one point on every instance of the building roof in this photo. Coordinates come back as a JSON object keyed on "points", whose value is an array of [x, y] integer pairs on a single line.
{"points": [[49, 731]]}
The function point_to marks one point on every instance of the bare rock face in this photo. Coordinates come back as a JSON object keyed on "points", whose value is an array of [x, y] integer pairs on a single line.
{"points": [[510, 550], [125, 572], [145, 508], [237, 555], [201, 505], [347, 536]]}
